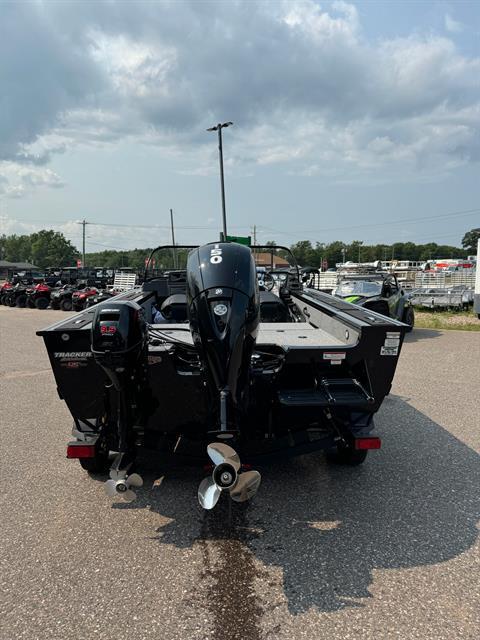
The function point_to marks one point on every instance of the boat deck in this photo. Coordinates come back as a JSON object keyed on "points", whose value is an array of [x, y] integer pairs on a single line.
{"points": [[283, 334]]}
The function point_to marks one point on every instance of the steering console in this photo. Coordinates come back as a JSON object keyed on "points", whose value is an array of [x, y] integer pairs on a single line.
{"points": [[265, 280]]}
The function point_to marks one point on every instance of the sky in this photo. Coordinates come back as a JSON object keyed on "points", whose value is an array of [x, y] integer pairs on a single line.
{"points": [[352, 120]]}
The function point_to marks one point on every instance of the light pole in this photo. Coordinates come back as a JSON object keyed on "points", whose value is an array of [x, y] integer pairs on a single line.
{"points": [[173, 241], [219, 128]]}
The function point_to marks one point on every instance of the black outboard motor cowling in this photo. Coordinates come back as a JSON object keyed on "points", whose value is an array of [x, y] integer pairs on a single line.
{"points": [[119, 334], [224, 312]]}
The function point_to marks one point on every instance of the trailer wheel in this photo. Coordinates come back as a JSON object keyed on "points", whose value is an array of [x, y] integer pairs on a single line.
{"points": [[98, 464], [41, 303], [66, 305], [346, 456], [409, 318]]}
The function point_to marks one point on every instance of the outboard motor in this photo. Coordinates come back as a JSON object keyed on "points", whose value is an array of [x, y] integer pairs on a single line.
{"points": [[119, 337], [224, 312], [119, 346]]}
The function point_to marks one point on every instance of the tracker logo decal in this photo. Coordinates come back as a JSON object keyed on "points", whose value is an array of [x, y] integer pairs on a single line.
{"points": [[72, 355]]}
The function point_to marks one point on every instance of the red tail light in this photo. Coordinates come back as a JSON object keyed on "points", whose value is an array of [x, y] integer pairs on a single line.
{"points": [[368, 443], [81, 450]]}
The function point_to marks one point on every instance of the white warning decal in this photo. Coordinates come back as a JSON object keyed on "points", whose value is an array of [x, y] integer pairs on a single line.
{"points": [[334, 355], [391, 344], [389, 351]]}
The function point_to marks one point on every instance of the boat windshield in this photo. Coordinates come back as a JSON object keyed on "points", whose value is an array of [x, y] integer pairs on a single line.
{"points": [[365, 288], [166, 258]]}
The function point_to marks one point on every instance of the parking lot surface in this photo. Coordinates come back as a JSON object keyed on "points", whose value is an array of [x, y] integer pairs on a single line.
{"points": [[386, 550]]}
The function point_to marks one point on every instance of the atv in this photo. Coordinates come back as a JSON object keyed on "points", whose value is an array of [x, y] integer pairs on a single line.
{"points": [[79, 298], [62, 298], [4, 291], [39, 296], [101, 296], [16, 296], [379, 292]]}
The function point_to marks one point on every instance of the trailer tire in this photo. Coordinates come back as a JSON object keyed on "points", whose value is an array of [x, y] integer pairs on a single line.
{"points": [[346, 456], [66, 305], [41, 303], [98, 464], [409, 318]]}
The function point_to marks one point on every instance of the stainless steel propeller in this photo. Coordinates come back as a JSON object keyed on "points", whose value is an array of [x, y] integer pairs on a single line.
{"points": [[120, 485], [226, 477]]}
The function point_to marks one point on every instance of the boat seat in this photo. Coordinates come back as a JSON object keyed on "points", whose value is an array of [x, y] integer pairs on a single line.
{"points": [[174, 308], [272, 308]]}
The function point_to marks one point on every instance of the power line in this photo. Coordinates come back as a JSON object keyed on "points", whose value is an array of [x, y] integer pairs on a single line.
{"points": [[467, 212]]}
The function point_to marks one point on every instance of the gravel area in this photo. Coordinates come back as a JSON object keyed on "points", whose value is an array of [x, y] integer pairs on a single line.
{"points": [[386, 550]]}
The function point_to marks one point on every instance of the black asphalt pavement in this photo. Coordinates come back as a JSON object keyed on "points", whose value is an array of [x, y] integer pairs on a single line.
{"points": [[386, 550]]}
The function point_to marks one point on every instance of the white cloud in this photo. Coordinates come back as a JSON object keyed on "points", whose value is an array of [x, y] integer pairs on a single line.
{"points": [[304, 87], [17, 180], [452, 25]]}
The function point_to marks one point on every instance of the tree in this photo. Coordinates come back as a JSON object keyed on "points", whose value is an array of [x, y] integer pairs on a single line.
{"points": [[15, 248], [304, 253], [470, 239], [52, 249]]}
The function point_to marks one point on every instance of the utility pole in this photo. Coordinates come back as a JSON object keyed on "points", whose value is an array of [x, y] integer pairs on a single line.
{"points": [[84, 224], [175, 266], [219, 128]]}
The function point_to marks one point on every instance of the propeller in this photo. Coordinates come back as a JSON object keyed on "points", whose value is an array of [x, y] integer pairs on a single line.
{"points": [[119, 485], [226, 477]]}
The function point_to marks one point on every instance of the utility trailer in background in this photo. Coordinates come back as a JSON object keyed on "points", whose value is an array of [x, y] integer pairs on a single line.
{"points": [[457, 298], [476, 302]]}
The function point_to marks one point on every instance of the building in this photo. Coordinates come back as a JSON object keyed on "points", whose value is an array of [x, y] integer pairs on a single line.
{"points": [[6, 266], [266, 259]]}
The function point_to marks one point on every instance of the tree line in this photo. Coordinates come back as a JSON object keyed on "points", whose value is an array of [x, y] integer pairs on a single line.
{"points": [[48, 248]]}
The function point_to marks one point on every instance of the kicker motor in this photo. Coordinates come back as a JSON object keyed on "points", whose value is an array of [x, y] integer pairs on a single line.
{"points": [[119, 343]]}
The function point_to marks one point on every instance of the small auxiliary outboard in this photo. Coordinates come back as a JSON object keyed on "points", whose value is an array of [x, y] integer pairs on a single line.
{"points": [[119, 346]]}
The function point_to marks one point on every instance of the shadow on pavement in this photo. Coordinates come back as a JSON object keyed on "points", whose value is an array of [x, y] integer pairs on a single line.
{"points": [[416, 335], [416, 502]]}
